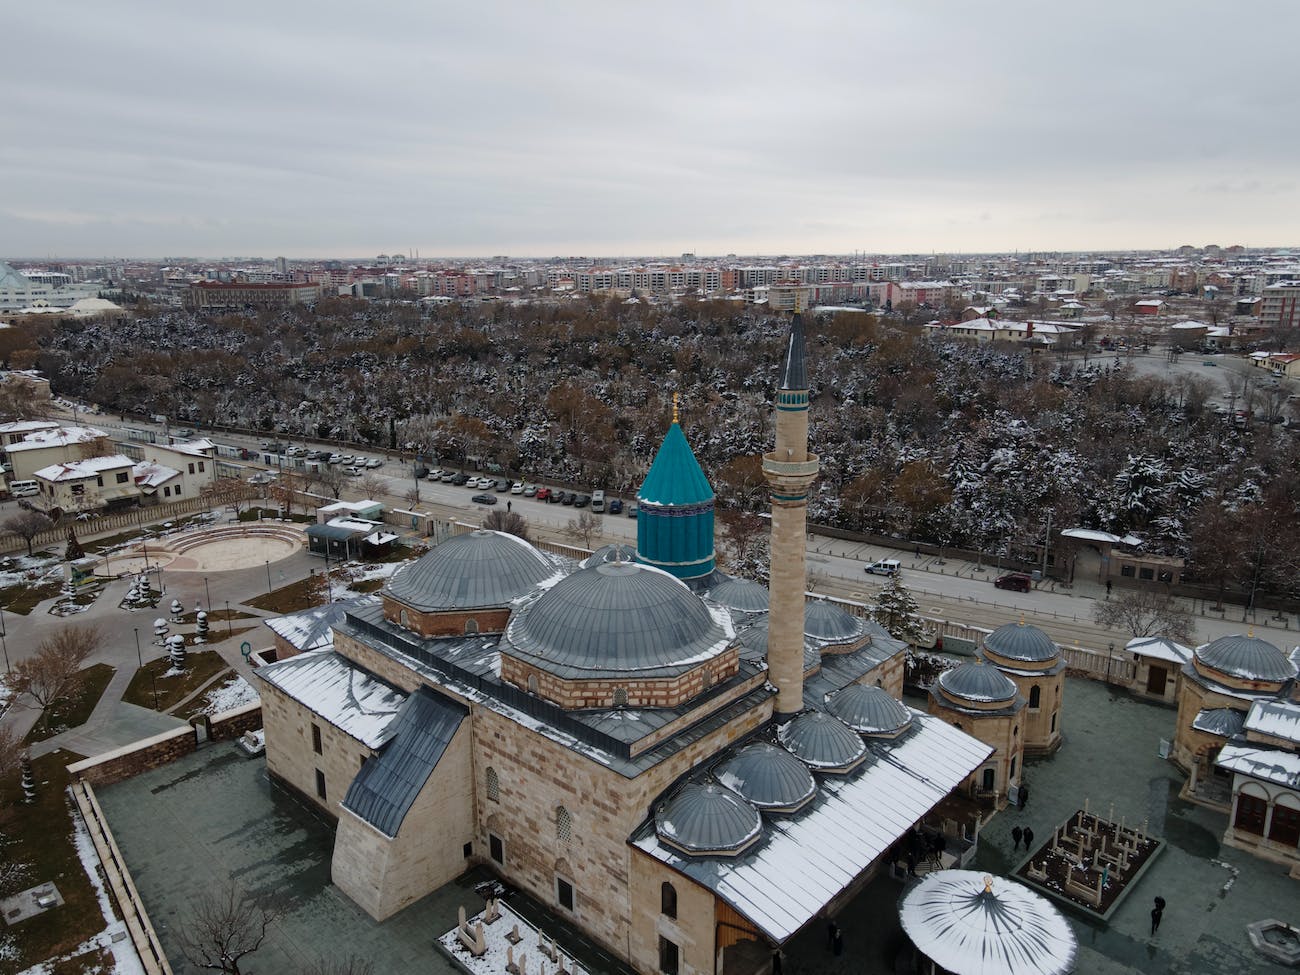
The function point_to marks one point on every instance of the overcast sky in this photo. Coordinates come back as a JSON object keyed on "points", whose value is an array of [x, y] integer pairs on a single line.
{"points": [[134, 128]]}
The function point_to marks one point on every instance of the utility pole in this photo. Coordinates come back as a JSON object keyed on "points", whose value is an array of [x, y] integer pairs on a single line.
{"points": [[1047, 541]]}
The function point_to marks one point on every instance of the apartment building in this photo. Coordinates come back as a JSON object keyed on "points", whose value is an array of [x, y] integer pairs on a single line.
{"points": [[1281, 305], [87, 485]]}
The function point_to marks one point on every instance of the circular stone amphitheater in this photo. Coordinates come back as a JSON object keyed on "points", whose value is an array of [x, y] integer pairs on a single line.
{"points": [[208, 550]]}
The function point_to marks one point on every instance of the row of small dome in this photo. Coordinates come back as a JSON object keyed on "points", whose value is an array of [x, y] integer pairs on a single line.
{"points": [[721, 817]]}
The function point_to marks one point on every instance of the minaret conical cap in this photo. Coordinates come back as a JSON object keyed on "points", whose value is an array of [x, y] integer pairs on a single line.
{"points": [[794, 375]]}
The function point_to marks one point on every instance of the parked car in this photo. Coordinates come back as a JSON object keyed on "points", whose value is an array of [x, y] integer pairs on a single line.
{"points": [[582, 500], [885, 567], [554, 497], [435, 475], [353, 471], [502, 485], [543, 494], [374, 462], [459, 479], [518, 488], [1017, 581], [567, 497], [632, 511], [615, 506], [484, 499], [597, 500], [529, 491], [448, 477], [335, 458]]}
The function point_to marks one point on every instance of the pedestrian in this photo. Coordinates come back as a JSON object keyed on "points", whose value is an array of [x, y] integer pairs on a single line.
{"points": [[1024, 795], [776, 962], [1108, 585], [1016, 833], [509, 504], [1029, 839], [837, 942], [1157, 913], [831, 928], [911, 863]]}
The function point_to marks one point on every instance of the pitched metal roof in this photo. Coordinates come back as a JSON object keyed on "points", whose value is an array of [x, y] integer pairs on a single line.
{"points": [[1159, 648], [313, 628], [708, 818], [794, 373], [1246, 657], [803, 862], [675, 477], [353, 700], [615, 619], [1016, 641], [1268, 764], [1280, 719], [388, 783], [970, 923], [471, 571], [768, 776]]}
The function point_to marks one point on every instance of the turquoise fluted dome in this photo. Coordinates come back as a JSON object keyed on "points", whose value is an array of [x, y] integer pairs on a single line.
{"points": [[674, 527]]}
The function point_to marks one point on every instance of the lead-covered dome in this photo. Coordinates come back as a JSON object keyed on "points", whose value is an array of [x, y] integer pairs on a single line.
{"points": [[473, 571], [615, 619], [740, 595], [869, 710], [822, 741], [978, 682], [708, 818], [768, 777], [1246, 658], [1016, 641], [828, 623], [613, 552]]}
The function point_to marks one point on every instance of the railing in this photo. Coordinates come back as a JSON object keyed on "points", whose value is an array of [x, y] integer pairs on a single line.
{"points": [[10, 542], [1112, 668]]}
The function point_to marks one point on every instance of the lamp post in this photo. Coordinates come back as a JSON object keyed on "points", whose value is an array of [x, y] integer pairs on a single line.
{"points": [[229, 629], [207, 592], [140, 660], [268, 576], [3, 642]]}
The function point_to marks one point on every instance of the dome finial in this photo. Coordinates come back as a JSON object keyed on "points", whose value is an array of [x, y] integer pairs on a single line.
{"points": [[1250, 632], [1022, 619], [988, 883], [676, 416]]}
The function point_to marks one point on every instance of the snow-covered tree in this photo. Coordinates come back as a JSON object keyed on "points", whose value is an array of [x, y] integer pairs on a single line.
{"points": [[897, 612]]}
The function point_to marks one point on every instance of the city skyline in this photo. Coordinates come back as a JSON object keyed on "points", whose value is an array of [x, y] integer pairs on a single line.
{"points": [[584, 130]]}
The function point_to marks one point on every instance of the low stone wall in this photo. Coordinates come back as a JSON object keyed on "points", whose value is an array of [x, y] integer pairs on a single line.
{"points": [[139, 756], [231, 724]]}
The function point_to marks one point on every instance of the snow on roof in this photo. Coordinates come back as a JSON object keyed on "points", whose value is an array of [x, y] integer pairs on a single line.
{"points": [[193, 448], [353, 524], [78, 469], [1091, 535], [381, 538], [60, 437], [353, 506], [1187, 325], [1159, 648], [313, 629], [1268, 764], [151, 475], [27, 426], [351, 699], [1278, 719], [803, 862]]}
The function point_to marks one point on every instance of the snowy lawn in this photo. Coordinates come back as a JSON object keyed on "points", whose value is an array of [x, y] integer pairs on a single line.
{"points": [[172, 686], [232, 693]]}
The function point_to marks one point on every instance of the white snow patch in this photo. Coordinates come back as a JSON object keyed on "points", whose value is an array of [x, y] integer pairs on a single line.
{"points": [[125, 959], [234, 693]]}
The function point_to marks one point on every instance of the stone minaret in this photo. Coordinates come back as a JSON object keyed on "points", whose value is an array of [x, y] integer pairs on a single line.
{"points": [[790, 470]]}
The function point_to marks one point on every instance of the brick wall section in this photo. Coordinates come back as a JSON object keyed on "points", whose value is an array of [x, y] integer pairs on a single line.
{"points": [[451, 623], [140, 756], [649, 693]]}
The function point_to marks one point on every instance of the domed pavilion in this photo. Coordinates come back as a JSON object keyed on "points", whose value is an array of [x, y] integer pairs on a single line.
{"points": [[981, 700], [1027, 656]]}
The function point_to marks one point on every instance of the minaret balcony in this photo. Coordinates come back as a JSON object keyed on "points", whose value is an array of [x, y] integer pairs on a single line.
{"points": [[799, 470]]}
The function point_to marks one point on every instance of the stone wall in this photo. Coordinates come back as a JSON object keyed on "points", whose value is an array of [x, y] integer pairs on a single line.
{"points": [[641, 693], [229, 725], [383, 874], [692, 930], [1036, 727], [451, 623], [139, 756], [290, 755], [1003, 731]]}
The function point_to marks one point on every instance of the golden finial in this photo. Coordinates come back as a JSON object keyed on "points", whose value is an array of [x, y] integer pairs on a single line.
{"points": [[988, 883], [1022, 619], [676, 417], [1250, 632]]}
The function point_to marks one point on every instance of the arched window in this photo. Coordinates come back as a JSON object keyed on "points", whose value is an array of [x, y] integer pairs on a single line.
{"points": [[471, 626], [563, 824], [1035, 695], [668, 900], [532, 683], [1012, 773], [493, 785], [1015, 731], [404, 620], [620, 697]]}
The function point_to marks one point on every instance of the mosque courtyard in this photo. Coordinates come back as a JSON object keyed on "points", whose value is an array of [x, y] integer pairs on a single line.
{"points": [[214, 815]]}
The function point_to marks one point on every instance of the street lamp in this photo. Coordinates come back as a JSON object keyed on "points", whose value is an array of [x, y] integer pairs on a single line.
{"points": [[3, 642], [268, 576], [140, 660], [207, 592], [229, 629]]}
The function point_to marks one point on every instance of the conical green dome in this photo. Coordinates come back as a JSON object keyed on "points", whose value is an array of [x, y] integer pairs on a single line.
{"points": [[675, 477]]}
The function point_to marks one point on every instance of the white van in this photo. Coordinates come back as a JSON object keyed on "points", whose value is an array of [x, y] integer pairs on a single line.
{"points": [[597, 500], [24, 489], [885, 567]]}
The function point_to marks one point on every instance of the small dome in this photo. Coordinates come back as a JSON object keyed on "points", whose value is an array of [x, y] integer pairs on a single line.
{"points": [[1016, 641], [708, 818], [614, 552], [869, 710], [822, 741], [827, 622], [1247, 658], [740, 595], [753, 643], [978, 682], [613, 619], [472, 571], [812, 659], [768, 777]]}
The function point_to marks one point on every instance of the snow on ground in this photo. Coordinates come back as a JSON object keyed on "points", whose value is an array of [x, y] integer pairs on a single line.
{"points": [[234, 693], [363, 573], [21, 570], [493, 962]]}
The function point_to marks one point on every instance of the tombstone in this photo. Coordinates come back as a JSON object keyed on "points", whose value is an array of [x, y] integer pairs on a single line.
{"points": [[514, 937], [491, 911], [202, 621], [29, 783], [511, 967], [176, 649]]}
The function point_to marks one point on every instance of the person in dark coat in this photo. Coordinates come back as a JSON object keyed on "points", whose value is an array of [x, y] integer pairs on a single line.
{"points": [[1029, 839], [1024, 795], [1016, 833], [911, 863], [1157, 913], [837, 942], [831, 928], [776, 962]]}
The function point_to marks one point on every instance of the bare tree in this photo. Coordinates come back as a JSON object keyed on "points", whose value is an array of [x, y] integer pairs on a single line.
{"points": [[10, 749], [332, 479], [584, 527], [53, 674], [27, 525], [229, 492], [223, 928], [1147, 612], [510, 522], [373, 486]]}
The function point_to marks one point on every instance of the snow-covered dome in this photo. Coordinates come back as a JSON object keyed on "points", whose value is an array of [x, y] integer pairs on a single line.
{"points": [[613, 552], [828, 623], [1246, 658], [822, 741], [768, 777], [869, 710], [473, 571], [740, 595], [978, 682], [1016, 641], [970, 923], [706, 818], [615, 619]]}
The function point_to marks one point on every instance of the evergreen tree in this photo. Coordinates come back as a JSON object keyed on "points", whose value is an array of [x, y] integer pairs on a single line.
{"points": [[74, 550], [897, 612]]}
